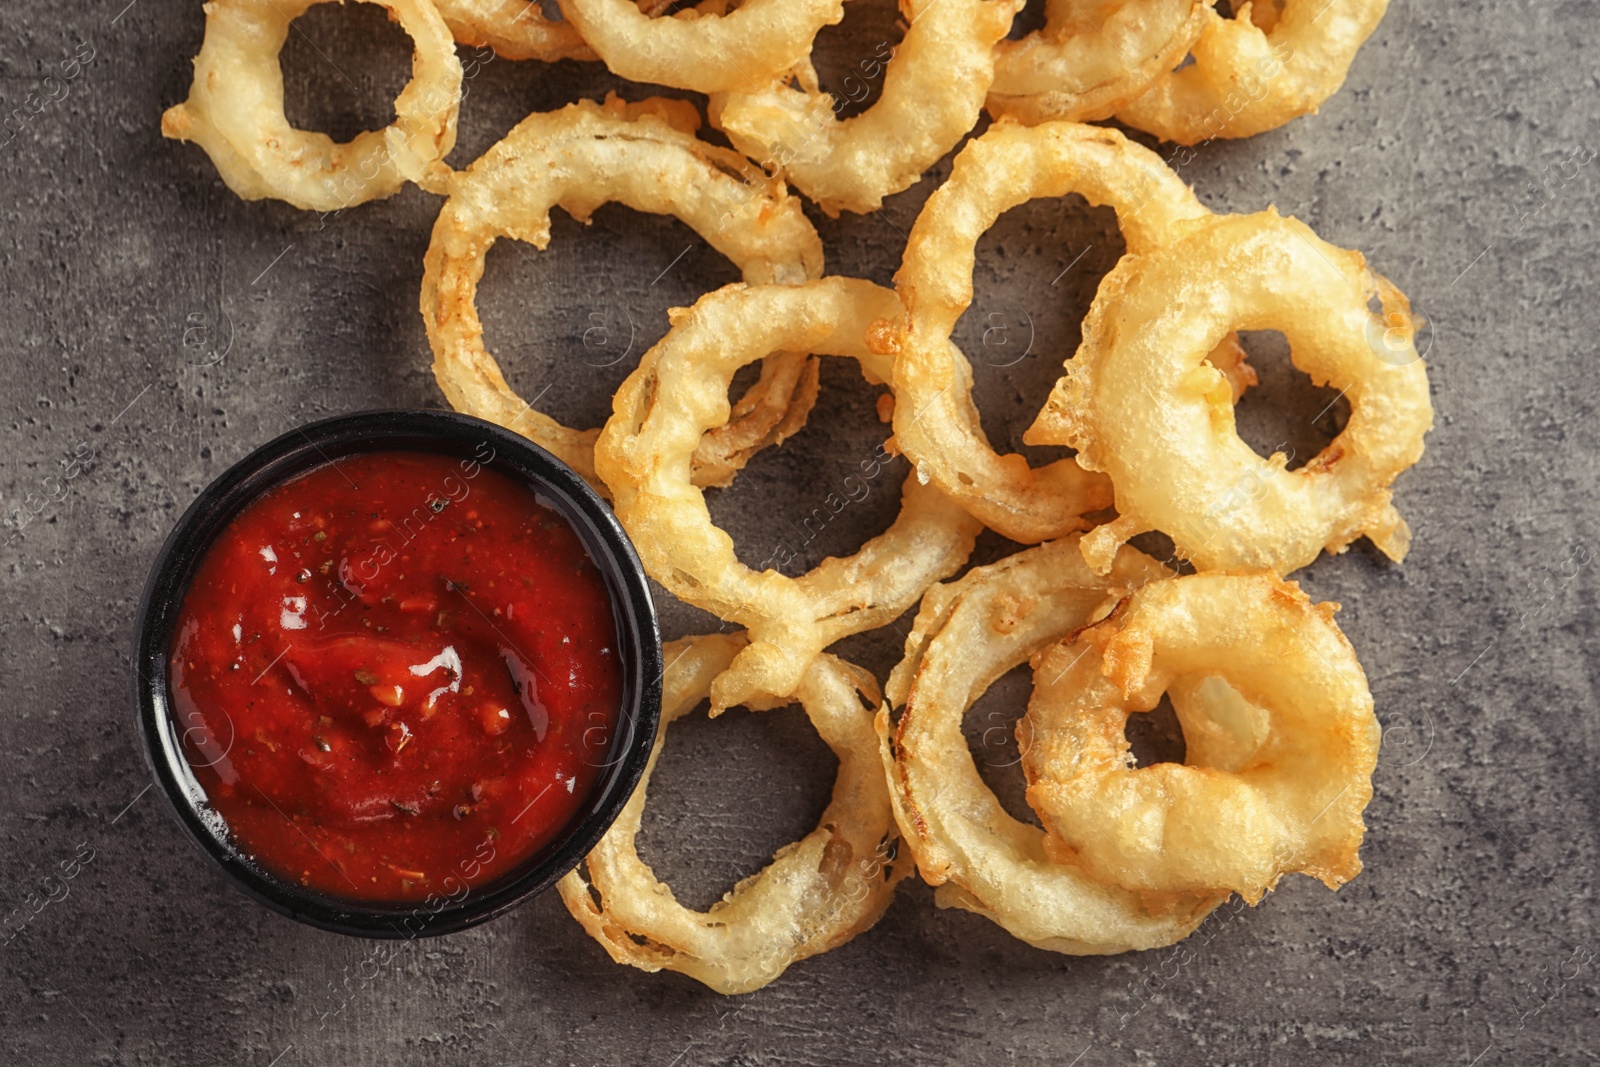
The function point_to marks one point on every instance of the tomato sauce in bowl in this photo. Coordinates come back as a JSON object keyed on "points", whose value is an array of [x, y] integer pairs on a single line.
{"points": [[396, 684], [393, 673]]}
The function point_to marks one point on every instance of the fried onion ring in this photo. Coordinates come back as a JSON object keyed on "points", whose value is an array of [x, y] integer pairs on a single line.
{"points": [[515, 29], [235, 110], [967, 635], [933, 91], [1085, 64], [816, 894], [1251, 75], [936, 423], [646, 156], [678, 392], [1140, 402], [1287, 799], [702, 50]]}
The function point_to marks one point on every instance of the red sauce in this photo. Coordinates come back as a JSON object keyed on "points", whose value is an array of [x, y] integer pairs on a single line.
{"points": [[397, 675]]}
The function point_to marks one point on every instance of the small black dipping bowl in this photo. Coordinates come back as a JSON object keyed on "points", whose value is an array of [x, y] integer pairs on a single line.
{"points": [[385, 431]]}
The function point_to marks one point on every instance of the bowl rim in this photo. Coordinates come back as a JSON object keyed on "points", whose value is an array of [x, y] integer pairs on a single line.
{"points": [[316, 444]]}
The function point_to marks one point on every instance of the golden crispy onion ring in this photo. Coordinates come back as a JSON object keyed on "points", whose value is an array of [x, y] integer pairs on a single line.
{"points": [[933, 91], [678, 393], [1288, 798], [646, 156], [700, 49], [235, 110], [935, 421], [816, 894], [967, 635], [1091, 59], [1140, 402], [515, 29], [1248, 78]]}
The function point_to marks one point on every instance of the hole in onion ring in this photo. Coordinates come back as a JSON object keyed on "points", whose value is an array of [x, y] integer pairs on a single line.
{"points": [[1159, 547], [343, 65], [885, 645], [700, 832], [1263, 13], [603, 295], [1031, 18], [823, 492], [849, 56], [1036, 273], [743, 379], [1285, 412], [1156, 736], [990, 726]]}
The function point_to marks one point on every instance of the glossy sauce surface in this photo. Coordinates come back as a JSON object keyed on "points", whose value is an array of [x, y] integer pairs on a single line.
{"points": [[396, 675]]}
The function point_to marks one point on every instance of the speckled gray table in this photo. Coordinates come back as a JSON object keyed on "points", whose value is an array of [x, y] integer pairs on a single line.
{"points": [[157, 328]]}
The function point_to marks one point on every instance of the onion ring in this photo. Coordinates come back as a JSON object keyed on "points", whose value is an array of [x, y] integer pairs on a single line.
{"points": [[702, 50], [678, 392], [936, 424], [1248, 78], [1139, 402], [1290, 797], [1085, 64], [235, 110], [967, 634], [933, 92], [646, 156], [515, 29], [816, 894]]}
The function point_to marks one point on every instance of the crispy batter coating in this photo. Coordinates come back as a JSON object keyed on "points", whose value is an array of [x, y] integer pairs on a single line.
{"points": [[1090, 59], [936, 423], [1282, 740], [706, 48], [1141, 401], [1271, 63], [644, 155], [967, 635], [816, 894], [677, 394], [235, 110], [933, 92]]}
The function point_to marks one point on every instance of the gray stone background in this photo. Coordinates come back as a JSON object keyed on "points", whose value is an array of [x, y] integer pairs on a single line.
{"points": [[158, 328]]}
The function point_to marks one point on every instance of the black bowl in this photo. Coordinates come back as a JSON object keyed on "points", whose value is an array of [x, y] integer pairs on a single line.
{"points": [[381, 431]]}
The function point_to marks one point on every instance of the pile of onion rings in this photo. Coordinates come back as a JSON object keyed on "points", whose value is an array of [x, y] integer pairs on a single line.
{"points": [[981, 858], [1276, 713], [678, 393], [1271, 62]]}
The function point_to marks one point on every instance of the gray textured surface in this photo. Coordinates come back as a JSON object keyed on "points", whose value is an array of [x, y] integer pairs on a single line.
{"points": [[1469, 939]]}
